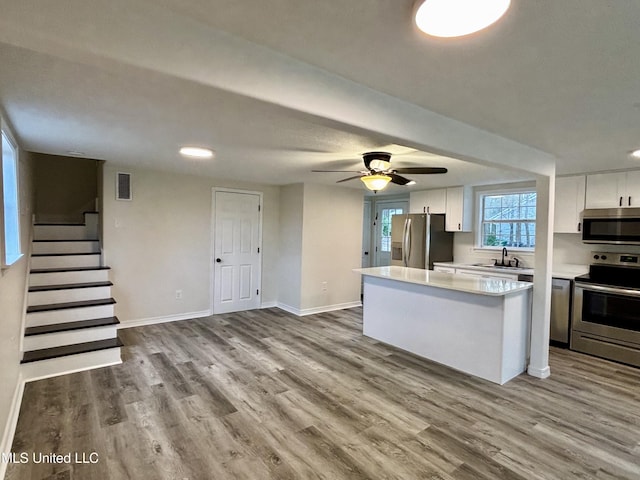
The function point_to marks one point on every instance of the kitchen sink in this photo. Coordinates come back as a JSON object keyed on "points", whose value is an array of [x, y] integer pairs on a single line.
{"points": [[498, 267], [504, 267]]}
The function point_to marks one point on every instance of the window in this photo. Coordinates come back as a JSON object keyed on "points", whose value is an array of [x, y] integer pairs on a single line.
{"points": [[385, 224], [508, 219], [11, 243]]}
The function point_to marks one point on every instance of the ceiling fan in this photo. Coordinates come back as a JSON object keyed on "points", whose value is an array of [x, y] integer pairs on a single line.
{"points": [[379, 172]]}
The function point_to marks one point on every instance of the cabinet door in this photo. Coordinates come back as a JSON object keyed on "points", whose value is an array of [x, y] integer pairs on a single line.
{"points": [[488, 275], [605, 190], [632, 190], [458, 209], [437, 200], [569, 204], [418, 202]]}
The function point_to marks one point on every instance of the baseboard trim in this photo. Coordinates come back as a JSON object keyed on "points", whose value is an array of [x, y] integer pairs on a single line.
{"points": [[538, 372], [268, 304], [12, 422], [164, 319], [311, 311]]}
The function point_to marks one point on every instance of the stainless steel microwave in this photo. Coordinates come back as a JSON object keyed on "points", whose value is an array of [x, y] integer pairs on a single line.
{"points": [[619, 226]]}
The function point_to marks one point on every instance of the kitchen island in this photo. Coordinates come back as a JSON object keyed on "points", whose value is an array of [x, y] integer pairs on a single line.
{"points": [[476, 325]]}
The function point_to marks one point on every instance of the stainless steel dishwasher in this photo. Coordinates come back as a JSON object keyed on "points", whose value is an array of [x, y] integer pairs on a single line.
{"points": [[560, 309]]}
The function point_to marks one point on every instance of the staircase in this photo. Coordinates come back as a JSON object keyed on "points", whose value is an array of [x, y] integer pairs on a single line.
{"points": [[70, 322]]}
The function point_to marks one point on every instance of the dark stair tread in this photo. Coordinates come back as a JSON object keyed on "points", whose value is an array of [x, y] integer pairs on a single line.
{"points": [[70, 240], [69, 224], [63, 254], [69, 286], [67, 269], [66, 305], [69, 326], [56, 352]]}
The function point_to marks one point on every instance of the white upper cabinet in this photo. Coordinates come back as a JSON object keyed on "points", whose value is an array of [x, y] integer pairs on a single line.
{"points": [[458, 209], [431, 201], [610, 190], [569, 204]]}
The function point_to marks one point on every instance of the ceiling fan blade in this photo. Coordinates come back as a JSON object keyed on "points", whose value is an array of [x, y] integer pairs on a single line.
{"points": [[343, 171], [347, 179], [421, 170], [398, 179]]}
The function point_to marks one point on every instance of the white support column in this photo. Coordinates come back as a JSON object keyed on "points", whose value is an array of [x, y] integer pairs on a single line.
{"points": [[539, 360]]}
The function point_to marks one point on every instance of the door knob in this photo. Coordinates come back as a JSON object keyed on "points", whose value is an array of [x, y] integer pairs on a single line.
{"points": [[218, 260]]}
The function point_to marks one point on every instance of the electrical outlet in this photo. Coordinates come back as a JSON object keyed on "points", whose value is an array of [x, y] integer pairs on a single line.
{"points": [[178, 294], [324, 286]]}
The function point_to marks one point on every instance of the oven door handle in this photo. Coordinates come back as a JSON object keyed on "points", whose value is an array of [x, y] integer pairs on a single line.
{"points": [[601, 288]]}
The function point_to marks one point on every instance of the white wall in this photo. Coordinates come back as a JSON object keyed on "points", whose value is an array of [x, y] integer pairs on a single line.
{"points": [[12, 308], [290, 260], [321, 242], [332, 246], [160, 242]]}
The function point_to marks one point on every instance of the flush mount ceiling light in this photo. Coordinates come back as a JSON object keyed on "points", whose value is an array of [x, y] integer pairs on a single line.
{"points": [[196, 152], [376, 181], [635, 153], [455, 18]]}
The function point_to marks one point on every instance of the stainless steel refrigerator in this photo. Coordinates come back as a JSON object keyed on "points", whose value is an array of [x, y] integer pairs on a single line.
{"points": [[419, 239]]}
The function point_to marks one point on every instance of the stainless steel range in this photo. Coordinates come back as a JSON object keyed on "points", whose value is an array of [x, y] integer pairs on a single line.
{"points": [[606, 308]]}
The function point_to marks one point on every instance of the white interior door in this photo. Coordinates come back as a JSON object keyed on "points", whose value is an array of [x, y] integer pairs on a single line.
{"points": [[236, 251], [384, 212]]}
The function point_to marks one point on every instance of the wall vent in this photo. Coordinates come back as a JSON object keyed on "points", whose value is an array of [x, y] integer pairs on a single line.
{"points": [[123, 186]]}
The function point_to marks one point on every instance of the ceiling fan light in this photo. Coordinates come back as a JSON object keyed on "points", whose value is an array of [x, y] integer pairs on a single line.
{"points": [[379, 165], [455, 18], [375, 182]]}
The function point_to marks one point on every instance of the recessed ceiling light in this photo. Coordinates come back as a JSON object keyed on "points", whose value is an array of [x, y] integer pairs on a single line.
{"points": [[455, 18], [76, 153], [196, 152], [635, 153], [411, 182]]}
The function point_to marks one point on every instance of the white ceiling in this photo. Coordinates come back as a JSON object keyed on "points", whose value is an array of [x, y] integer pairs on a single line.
{"points": [[132, 81]]}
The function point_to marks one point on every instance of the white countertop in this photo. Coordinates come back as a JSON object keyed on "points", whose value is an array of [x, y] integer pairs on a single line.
{"points": [[480, 286], [569, 271], [566, 271]]}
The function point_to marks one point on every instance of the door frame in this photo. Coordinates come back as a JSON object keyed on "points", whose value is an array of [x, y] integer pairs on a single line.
{"points": [[212, 285]]}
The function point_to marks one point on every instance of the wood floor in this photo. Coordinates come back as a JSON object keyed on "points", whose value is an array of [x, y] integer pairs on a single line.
{"points": [[267, 395]]}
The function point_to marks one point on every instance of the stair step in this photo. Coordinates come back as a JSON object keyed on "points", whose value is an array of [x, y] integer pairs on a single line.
{"points": [[64, 260], [60, 231], [59, 224], [66, 305], [68, 269], [78, 348], [68, 326], [66, 240], [51, 247], [63, 254], [69, 286]]}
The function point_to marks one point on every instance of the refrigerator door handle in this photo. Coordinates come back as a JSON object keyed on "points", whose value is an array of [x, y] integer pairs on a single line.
{"points": [[427, 253], [407, 242], [404, 242]]}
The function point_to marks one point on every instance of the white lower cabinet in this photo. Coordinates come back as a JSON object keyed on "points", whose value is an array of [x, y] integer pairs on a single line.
{"points": [[485, 274]]}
